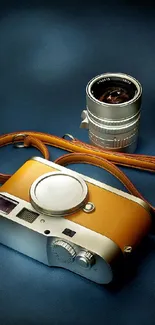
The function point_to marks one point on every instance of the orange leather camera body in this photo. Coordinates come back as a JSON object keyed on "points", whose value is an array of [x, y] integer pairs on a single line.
{"points": [[65, 219]]}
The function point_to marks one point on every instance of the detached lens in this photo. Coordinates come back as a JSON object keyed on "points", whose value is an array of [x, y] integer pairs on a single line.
{"points": [[113, 111]]}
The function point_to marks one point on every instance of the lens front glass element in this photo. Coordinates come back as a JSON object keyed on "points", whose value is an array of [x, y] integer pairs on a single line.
{"points": [[113, 90]]}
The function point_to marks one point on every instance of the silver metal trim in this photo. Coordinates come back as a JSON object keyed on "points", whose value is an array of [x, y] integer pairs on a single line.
{"points": [[19, 135], [89, 207], [57, 213], [68, 135], [111, 123], [87, 259], [114, 126], [121, 75], [127, 249], [95, 182], [107, 121], [9, 200], [59, 244]]}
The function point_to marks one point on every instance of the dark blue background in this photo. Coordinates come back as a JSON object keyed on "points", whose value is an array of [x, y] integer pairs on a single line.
{"points": [[48, 53]]}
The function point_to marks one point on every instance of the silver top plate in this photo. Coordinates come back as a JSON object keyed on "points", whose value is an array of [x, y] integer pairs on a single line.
{"points": [[58, 193]]}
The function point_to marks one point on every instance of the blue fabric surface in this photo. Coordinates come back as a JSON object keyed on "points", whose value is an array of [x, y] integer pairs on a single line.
{"points": [[48, 53]]}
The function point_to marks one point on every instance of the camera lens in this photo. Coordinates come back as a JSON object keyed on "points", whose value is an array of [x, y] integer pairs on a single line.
{"points": [[113, 111], [113, 91], [114, 95]]}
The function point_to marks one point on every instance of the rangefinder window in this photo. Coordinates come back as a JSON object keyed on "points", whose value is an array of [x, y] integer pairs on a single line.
{"points": [[7, 205]]}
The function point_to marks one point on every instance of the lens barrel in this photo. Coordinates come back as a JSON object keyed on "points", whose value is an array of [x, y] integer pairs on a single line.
{"points": [[113, 111]]}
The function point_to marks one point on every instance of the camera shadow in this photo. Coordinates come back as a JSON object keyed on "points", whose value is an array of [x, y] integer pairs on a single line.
{"points": [[132, 265]]}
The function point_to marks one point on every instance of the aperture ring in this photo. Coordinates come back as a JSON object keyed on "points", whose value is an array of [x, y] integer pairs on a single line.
{"points": [[108, 122]]}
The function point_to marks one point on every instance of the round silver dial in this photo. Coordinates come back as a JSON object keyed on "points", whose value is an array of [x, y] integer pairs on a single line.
{"points": [[85, 259], [58, 194], [63, 250]]}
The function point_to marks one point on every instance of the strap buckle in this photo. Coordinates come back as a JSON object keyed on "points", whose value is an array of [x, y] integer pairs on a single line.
{"points": [[19, 138]]}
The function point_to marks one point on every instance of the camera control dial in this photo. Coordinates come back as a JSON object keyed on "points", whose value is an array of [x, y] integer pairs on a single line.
{"points": [[58, 194], [63, 250], [85, 259]]}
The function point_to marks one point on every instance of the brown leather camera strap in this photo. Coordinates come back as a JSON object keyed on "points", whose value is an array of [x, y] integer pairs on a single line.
{"points": [[81, 153]]}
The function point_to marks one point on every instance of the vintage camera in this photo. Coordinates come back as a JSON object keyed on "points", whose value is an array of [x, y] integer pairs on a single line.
{"points": [[63, 219]]}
